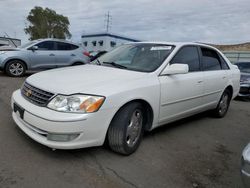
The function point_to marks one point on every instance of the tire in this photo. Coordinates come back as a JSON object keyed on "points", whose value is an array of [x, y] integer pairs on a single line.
{"points": [[223, 104], [126, 129], [15, 68]]}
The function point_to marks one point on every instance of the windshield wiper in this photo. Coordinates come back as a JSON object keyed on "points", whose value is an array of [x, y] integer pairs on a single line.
{"points": [[98, 61], [115, 65]]}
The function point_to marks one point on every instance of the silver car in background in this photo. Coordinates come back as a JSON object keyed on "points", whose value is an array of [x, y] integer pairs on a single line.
{"points": [[244, 79], [245, 166], [41, 54]]}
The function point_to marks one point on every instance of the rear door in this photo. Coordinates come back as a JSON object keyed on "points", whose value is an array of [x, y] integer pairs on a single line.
{"points": [[181, 93], [66, 54], [44, 56], [215, 75]]}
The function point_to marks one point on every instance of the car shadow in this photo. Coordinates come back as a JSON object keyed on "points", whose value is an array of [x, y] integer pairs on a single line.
{"points": [[104, 149], [176, 124]]}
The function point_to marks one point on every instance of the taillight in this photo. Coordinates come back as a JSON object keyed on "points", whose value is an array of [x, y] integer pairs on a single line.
{"points": [[86, 53]]}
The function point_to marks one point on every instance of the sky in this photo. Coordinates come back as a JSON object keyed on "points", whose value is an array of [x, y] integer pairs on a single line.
{"points": [[209, 21]]}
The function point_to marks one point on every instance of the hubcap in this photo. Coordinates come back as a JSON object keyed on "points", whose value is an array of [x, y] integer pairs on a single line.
{"points": [[223, 104], [16, 69], [134, 128]]}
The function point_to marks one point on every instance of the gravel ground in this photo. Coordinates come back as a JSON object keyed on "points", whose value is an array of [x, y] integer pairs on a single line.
{"points": [[199, 152]]}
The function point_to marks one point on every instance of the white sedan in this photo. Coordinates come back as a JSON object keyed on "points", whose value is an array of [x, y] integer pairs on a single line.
{"points": [[134, 88]]}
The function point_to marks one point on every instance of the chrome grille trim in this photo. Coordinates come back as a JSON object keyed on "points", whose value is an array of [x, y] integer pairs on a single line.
{"points": [[37, 96]]}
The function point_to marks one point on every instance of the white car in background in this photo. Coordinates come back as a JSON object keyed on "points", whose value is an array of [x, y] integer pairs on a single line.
{"points": [[134, 88]]}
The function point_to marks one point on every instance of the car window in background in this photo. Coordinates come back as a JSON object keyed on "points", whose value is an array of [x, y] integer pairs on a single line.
{"points": [[47, 45], [244, 67], [188, 55], [137, 57], [65, 46], [210, 60]]}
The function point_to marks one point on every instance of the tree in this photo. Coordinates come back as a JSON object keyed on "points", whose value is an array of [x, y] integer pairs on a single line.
{"points": [[46, 23]]}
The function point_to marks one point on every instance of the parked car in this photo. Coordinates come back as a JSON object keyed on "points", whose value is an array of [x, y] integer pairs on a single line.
{"points": [[41, 54], [245, 166], [134, 88], [244, 79]]}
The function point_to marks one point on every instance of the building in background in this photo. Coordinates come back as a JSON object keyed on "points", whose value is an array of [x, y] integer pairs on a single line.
{"points": [[6, 41], [97, 42]]}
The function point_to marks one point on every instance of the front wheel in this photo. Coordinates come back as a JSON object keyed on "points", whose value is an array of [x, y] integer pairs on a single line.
{"points": [[126, 129], [223, 104], [15, 68]]}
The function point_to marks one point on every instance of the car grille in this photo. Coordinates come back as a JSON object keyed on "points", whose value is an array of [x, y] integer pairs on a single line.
{"points": [[35, 95]]}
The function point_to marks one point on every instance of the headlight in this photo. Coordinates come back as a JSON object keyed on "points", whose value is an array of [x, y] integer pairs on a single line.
{"points": [[76, 103]]}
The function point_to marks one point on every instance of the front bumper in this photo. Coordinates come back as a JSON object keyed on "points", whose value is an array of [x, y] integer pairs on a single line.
{"points": [[244, 90], [39, 122]]}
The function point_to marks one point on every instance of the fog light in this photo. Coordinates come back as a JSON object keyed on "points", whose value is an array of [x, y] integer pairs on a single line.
{"points": [[62, 137]]}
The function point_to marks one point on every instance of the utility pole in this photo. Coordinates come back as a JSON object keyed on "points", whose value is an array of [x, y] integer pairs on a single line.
{"points": [[108, 22]]}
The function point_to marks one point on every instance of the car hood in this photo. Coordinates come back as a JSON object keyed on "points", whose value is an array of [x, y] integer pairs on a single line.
{"points": [[7, 48], [88, 79]]}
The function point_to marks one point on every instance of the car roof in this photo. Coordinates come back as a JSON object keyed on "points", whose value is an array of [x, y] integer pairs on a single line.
{"points": [[56, 40], [177, 44]]}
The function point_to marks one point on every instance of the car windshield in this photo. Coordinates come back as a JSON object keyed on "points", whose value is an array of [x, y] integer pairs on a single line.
{"points": [[137, 57], [244, 67], [27, 44]]}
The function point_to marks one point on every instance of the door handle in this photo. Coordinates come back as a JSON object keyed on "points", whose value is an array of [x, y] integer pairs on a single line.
{"points": [[51, 54], [200, 81], [73, 55], [224, 77]]}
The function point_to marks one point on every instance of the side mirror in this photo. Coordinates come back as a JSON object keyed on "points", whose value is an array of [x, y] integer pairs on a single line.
{"points": [[175, 69], [33, 48]]}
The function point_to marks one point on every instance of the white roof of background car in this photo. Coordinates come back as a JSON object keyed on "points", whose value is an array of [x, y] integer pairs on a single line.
{"points": [[178, 44]]}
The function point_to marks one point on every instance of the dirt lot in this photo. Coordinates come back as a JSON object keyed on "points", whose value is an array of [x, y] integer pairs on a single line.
{"points": [[200, 151]]}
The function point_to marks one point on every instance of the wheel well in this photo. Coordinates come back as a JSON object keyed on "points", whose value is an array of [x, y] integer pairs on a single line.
{"points": [[230, 88], [18, 60], [147, 110]]}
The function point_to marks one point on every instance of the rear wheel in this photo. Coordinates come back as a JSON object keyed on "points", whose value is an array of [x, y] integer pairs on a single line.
{"points": [[15, 68], [126, 129], [223, 104]]}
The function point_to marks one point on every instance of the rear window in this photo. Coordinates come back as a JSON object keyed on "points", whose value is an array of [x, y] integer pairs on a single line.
{"points": [[65, 46]]}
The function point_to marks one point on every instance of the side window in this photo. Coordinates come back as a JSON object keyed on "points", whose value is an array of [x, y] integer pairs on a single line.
{"points": [[46, 45], [210, 60], [188, 55], [224, 64], [73, 47], [63, 46]]}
